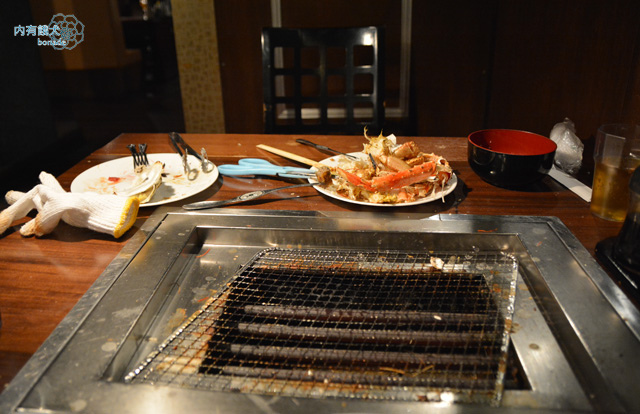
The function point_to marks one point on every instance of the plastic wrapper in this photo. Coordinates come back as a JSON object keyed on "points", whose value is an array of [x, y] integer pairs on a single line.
{"points": [[569, 153]]}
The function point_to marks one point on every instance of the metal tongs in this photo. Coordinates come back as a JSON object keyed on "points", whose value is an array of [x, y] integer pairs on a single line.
{"points": [[183, 149]]}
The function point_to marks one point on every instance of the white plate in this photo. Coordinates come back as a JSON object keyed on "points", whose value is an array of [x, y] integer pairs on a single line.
{"points": [[103, 178], [333, 162]]}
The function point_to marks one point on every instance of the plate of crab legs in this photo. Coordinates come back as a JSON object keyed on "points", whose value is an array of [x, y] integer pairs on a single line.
{"points": [[406, 176]]}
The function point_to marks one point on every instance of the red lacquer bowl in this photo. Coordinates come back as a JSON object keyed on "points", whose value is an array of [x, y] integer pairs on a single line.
{"points": [[510, 158]]}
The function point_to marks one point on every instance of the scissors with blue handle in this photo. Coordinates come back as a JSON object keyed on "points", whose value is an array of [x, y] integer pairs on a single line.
{"points": [[257, 166]]}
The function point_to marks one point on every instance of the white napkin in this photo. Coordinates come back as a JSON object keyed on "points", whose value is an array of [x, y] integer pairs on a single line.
{"points": [[571, 183]]}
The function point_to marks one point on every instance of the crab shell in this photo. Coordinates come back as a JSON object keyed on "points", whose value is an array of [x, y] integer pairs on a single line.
{"points": [[146, 184]]}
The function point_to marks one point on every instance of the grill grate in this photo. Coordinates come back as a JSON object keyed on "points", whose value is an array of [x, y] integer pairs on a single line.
{"points": [[344, 323]]}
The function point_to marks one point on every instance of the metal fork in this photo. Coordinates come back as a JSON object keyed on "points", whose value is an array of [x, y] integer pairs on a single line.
{"points": [[139, 155]]}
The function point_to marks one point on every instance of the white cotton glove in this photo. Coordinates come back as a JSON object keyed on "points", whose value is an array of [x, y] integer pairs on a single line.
{"points": [[109, 214]]}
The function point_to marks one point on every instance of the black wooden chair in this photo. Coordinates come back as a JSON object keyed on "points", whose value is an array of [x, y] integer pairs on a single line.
{"points": [[323, 81]]}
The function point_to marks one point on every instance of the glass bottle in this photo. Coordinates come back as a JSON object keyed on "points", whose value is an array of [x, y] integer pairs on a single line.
{"points": [[626, 251]]}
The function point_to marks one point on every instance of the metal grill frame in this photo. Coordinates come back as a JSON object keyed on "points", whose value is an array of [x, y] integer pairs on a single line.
{"points": [[178, 360], [565, 300]]}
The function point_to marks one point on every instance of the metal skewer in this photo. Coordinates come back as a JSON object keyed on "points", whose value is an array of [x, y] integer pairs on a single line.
{"points": [[244, 197], [325, 148]]}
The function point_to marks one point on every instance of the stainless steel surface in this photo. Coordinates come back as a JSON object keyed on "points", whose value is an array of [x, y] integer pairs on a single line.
{"points": [[574, 333]]}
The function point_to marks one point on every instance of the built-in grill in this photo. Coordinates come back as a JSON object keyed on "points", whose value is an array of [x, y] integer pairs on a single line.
{"points": [[350, 323], [275, 312]]}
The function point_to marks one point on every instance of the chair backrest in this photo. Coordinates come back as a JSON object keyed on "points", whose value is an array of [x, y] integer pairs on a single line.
{"points": [[323, 81]]}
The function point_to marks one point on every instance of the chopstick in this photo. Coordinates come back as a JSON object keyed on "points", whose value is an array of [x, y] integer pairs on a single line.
{"points": [[289, 155]]}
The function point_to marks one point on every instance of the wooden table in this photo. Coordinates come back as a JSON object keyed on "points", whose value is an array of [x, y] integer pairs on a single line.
{"points": [[41, 279]]}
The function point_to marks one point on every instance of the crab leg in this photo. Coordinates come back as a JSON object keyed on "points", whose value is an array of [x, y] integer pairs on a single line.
{"points": [[403, 178], [354, 179]]}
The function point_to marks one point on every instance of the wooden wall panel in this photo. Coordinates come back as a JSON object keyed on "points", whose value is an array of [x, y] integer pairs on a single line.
{"points": [[563, 58], [451, 57]]}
